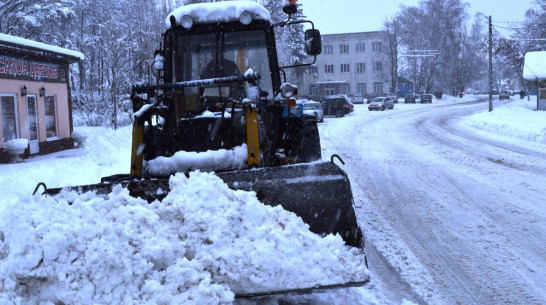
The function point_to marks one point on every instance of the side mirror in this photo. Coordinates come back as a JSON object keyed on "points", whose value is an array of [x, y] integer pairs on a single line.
{"points": [[313, 44]]}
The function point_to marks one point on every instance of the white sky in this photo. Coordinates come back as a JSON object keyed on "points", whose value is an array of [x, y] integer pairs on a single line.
{"points": [[346, 16]]}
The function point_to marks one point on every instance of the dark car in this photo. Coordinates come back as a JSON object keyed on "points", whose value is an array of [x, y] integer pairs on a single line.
{"points": [[426, 98], [336, 105], [504, 95], [410, 98]]}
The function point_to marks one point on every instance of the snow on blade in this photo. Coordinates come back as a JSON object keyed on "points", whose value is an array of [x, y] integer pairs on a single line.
{"points": [[211, 160], [219, 12], [200, 245]]}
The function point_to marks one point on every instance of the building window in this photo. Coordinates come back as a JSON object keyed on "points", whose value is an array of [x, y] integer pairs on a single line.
{"points": [[329, 91], [345, 89], [328, 69], [51, 116], [313, 70], [344, 49], [313, 90], [328, 49], [378, 66], [9, 117], [376, 46], [345, 68], [361, 88], [360, 47], [360, 67], [377, 87]]}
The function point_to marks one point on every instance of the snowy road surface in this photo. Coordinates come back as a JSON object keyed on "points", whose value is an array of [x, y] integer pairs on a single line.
{"points": [[452, 215]]}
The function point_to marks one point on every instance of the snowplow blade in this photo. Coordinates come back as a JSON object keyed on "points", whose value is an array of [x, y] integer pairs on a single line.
{"points": [[319, 193]]}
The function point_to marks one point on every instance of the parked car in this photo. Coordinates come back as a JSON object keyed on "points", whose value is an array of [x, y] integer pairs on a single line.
{"points": [[358, 99], [410, 98], [426, 98], [381, 103], [393, 97], [314, 109], [504, 95], [336, 105]]}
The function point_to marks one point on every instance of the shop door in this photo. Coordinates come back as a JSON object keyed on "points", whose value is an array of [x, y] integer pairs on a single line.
{"points": [[32, 117]]}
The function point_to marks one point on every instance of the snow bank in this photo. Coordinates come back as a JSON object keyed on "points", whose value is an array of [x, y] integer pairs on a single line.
{"points": [[200, 245], [515, 119], [17, 143]]}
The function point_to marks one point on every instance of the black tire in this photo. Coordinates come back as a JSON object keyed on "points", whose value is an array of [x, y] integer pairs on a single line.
{"points": [[299, 140], [383, 108], [309, 150]]}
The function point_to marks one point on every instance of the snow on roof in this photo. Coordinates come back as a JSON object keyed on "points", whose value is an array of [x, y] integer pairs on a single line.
{"points": [[219, 12], [535, 65], [18, 41]]}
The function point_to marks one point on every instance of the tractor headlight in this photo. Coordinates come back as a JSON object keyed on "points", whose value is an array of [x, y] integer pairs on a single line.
{"points": [[288, 90], [245, 18], [186, 21]]}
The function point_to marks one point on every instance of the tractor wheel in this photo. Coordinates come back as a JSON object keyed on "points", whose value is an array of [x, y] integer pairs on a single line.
{"points": [[309, 149]]}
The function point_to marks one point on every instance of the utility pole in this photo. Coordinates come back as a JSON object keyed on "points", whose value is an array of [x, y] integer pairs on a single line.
{"points": [[490, 65]]}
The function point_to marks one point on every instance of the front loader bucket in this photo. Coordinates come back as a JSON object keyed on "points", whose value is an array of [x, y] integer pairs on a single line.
{"points": [[319, 193]]}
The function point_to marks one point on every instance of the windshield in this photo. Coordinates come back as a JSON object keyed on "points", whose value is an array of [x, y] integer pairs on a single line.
{"points": [[213, 55], [377, 100], [311, 106]]}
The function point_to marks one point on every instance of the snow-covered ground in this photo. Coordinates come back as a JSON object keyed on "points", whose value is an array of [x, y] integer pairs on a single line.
{"points": [[450, 198], [205, 242]]}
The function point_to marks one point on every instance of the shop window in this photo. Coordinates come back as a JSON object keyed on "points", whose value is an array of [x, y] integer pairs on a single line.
{"points": [[51, 116], [9, 117]]}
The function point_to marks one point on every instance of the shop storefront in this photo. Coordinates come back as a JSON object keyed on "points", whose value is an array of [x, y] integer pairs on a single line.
{"points": [[35, 100]]}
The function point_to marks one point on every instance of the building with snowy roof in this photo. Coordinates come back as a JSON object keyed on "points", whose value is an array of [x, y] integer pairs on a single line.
{"points": [[534, 69], [35, 100], [350, 63]]}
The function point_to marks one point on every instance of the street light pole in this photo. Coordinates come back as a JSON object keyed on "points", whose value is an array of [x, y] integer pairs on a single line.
{"points": [[490, 65]]}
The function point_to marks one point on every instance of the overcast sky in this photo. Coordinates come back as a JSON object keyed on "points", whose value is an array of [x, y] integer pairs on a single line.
{"points": [[346, 16]]}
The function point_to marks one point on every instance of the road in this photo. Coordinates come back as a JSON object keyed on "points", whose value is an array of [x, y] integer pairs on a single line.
{"points": [[450, 215]]}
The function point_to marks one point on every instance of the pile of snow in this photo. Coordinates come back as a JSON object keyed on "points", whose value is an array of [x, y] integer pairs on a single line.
{"points": [[515, 119], [16, 144], [200, 245]]}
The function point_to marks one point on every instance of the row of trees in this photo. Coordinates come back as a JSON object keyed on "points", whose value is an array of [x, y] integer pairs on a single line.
{"points": [[438, 50], [117, 38]]}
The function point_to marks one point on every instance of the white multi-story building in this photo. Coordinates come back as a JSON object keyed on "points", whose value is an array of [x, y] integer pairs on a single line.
{"points": [[352, 63]]}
